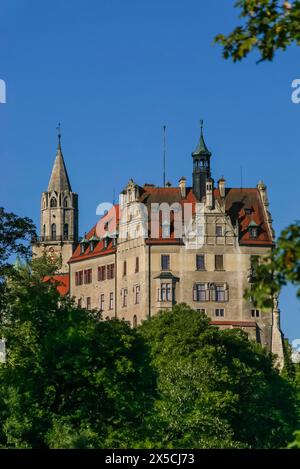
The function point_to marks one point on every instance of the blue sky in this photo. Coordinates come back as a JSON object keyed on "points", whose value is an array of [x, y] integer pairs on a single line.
{"points": [[114, 72]]}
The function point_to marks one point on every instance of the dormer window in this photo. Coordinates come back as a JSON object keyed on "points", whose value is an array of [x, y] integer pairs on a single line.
{"points": [[253, 230]]}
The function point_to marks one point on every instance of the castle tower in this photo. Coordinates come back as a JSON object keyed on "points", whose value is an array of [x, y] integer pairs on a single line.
{"points": [[59, 215], [201, 167]]}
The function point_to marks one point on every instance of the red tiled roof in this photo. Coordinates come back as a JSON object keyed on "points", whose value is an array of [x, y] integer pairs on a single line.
{"points": [[234, 323], [241, 205], [62, 281], [112, 219]]}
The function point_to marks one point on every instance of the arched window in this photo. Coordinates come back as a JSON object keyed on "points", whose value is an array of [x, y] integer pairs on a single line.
{"points": [[134, 321], [53, 202], [66, 231], [65, 202], [44, 231], [53, 231]]}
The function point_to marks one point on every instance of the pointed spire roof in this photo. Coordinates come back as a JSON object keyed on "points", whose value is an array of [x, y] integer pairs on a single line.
{"points": [[59, 180], [201, 148]]}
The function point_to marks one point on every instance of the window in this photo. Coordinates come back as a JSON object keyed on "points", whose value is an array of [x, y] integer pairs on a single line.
{"points": [[88, 276], [88, 302], [255, 313], [125, 294], [111, 300], [165, 292], [137, 294], [137, 266], [78, 277], [53, 231], [65, 202], [101, 273], [165, 262], [110, 271], [102, 302], [200, 262], [220, 293], [134, 321], [79, 303], [66, 231], [219, 262], [200, 292], [220, 312], [219, 230], [82, 248], [253, 232], [201, 310], [44, 230], [53, 202], [124, 268]]}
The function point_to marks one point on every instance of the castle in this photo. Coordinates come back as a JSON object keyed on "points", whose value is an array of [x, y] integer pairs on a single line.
{"points": [[150, 251]]}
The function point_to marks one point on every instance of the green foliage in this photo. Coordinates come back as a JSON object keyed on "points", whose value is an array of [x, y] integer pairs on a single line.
{"points": [[278, 269], [266, 25], [14, 231], [70, 380], [215, 388]]}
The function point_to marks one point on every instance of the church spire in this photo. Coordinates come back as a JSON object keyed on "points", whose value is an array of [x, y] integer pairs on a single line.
{"points": [[201, 147], [59, 180]]}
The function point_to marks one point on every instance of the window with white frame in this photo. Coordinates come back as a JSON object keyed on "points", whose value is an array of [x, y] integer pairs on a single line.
{"points": [[137, 294], [165, 292], [219, 230], [219, 312], [102, 302], [124, 293], [111, 300], [200, 292]]}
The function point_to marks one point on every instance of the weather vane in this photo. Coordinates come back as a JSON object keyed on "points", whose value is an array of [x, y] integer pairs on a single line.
{"points": [[58, 128]]}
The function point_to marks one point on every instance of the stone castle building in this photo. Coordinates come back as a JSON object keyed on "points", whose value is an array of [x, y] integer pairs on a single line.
{"points": [[135, 261]]}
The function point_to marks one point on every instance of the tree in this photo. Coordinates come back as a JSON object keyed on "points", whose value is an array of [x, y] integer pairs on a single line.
{"points": [[70, 379], [215, 387], [282, 266], [14, 231], [267, 26]]}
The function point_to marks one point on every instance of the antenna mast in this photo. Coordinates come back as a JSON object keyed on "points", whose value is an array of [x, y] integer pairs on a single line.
{"points": [[164, 156]]}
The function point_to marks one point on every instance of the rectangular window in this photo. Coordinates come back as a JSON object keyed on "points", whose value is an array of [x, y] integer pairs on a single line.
{"points": [[110, 271], [219, 262], [219, 230], [125, 294], [101, 273], [200, 262], [200, 292], [124, 268], [111, 300], [255, 313], [165, 262], [79, 303], [137, 294], [137, 264], [201, 310], [88, 302], [220, 293], [220, 312], [88, 276], [102, 302], [78, 277], [165, 292]]}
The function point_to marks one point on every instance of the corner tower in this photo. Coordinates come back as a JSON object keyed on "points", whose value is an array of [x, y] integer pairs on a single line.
{"points": [[201, 167], [59, 215]]}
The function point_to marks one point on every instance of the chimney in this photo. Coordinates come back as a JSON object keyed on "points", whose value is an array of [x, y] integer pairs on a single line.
{"points": [[182, 185], [221, 183]]}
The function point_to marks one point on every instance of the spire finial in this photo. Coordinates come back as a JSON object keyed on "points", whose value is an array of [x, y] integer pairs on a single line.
{"points": [[58, 128], [201, 125]]}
